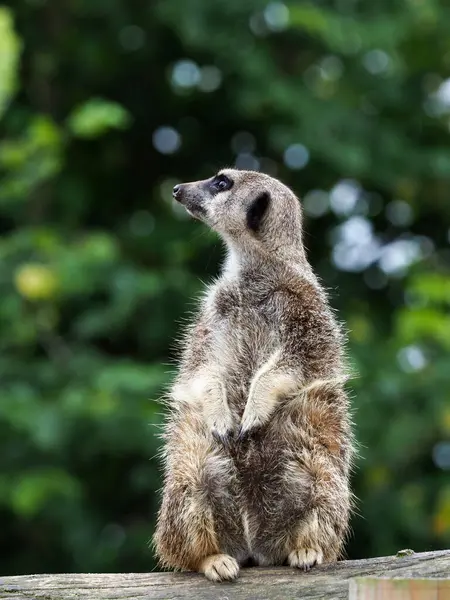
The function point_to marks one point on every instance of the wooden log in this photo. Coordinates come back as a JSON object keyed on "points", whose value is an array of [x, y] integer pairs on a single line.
{"points": [[378, 588], [281, 583]]}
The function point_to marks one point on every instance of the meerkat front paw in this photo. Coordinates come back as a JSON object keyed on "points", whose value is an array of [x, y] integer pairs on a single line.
{"points": [[221, 426], [250, 421], [220, 567], [305, 558]]}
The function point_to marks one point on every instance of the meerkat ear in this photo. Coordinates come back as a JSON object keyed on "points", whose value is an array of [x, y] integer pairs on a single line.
{"points": [[257, 210]]}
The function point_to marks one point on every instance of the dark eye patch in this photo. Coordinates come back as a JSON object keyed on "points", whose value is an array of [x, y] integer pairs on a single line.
{"points": [[257, 210], [221, 183]]}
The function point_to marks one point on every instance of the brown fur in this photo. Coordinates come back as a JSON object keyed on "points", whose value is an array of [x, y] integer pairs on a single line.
{"points": [[258, 443]]}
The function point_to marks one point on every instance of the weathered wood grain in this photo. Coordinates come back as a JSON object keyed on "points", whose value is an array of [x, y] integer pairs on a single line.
{"points": [[382, 588], [321, 583]]}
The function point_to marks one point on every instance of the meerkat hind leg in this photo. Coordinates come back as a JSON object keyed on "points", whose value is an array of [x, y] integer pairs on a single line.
{"points": [[220, 567]]}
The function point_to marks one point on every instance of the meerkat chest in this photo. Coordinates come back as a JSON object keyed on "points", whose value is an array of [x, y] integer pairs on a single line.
{"points": [[246, 330]]}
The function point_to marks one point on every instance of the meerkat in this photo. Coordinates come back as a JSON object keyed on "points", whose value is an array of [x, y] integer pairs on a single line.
{"points": [[258, 442]]}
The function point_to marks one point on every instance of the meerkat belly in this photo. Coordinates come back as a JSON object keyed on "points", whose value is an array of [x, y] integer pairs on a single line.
{"points": [[269, 502], [275, 492]]}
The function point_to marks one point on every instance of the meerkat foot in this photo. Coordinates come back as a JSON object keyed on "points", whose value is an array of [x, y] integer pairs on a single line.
{"points": [[305, 558], [220, 567]]}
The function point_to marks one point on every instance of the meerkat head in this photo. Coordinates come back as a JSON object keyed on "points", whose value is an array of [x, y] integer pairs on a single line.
{"points": [[245, 208]]}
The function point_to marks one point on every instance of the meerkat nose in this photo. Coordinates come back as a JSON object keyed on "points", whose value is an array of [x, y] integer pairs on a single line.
{"points": [[176, 191]]}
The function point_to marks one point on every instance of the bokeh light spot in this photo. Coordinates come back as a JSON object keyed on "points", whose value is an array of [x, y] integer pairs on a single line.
{"points": [[316, 203], [185, 74], [399, 213], [210, 78], [166, 140], [276, 16], [441, 455], [243, 141], [411, 359], [376, 61], [132, 38], [344, 196], [247, 161], [296, 156]]}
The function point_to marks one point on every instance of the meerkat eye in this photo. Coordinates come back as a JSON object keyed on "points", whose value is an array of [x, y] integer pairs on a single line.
{"points": [[221, 183]]}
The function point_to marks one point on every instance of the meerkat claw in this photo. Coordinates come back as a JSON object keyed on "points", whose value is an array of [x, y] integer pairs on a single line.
{"points": [[248, 427], [220, 567], [305, 558], [243, 434], [222, 438]]}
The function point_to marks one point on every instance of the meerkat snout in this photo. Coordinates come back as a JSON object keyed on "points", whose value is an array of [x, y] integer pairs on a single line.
{"points": [[176, 190]]}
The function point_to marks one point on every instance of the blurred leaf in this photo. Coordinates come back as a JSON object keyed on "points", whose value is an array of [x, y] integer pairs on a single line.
{"points": [[427, 318], [348, 34], [96, 117], [140, 379], [431, 287], [36, 282], [10, 48], [30, 161], [441, 521], [33, 490]]}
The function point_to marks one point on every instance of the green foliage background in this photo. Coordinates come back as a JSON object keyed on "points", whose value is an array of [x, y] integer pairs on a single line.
{"points": [[98, 268]]}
